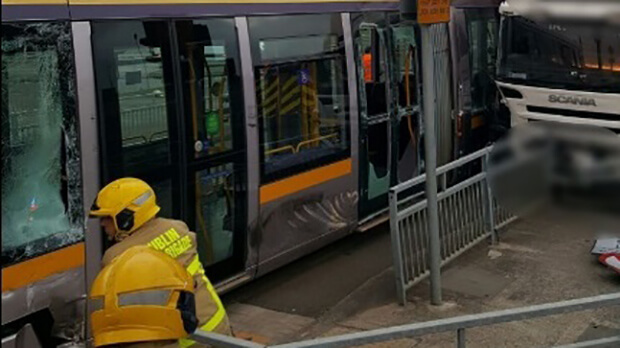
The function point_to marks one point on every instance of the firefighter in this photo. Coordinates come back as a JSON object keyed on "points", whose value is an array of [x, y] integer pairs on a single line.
{"points": [[138, 309], [128, 211]]}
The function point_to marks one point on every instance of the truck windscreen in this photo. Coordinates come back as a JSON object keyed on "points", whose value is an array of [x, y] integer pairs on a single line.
{"points": [[574, 56]]}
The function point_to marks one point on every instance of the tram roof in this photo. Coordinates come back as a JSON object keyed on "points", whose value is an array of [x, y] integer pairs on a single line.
{"points": [[95, 9]]}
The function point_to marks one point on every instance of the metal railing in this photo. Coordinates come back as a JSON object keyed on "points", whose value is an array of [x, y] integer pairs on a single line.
{"points": [[456, 324], [139, 126], [143, 125], [468, 214]]}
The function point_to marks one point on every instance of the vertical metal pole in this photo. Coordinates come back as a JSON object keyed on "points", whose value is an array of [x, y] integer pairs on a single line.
{"points": [[488, 201], [460, 338], [252, 140], [89, 153], [430, 144]]}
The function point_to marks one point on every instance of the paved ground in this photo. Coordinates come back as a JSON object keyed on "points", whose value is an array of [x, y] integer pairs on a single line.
{"points": [[349, 287]]}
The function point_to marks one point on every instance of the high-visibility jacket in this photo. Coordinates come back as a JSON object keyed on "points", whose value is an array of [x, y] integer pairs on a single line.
{"points": [[175, 239]]}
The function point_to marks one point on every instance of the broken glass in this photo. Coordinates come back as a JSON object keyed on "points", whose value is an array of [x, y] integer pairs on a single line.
{"points": [[41, 183]]}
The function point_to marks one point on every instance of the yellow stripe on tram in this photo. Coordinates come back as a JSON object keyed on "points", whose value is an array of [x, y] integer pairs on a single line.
{"points": [[170, 2], [34, 2]]}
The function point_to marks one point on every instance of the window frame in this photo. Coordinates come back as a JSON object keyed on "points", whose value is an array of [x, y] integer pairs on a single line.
{"points": [[257, 64], [69, 122], [482, 18]]}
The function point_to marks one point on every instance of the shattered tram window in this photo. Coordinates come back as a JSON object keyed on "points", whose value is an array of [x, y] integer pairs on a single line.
{"points": [[41, 193]]}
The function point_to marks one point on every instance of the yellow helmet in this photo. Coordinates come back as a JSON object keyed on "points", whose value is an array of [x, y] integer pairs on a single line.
{"points": [[129, 202], [142, 295]]}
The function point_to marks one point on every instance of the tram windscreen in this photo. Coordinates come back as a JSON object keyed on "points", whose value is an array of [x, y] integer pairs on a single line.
{"points": [[41, 199], [565, 55]]}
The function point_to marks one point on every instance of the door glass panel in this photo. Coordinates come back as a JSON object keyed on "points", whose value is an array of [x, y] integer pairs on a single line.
{"points": [[135, 95], [301, 91], [142, 96], [215, 202], [41, 179], [405, 65], [136, 99], [163, 192], [211, 57], [373, 67], [378, 159], [482, 29], [369, 32], [405, 69]]}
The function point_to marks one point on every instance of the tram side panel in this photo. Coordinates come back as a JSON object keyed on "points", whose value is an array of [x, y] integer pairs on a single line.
{"points": [[308, 191]]}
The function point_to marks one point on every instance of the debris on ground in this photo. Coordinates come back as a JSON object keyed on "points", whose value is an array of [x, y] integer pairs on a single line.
{"points": [[494, 254], [608, 245], [611, 260]]}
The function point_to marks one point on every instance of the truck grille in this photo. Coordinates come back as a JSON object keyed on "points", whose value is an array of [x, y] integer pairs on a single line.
{"points": [[574, 113]]}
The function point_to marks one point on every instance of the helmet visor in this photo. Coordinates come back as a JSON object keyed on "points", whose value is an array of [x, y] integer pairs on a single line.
{"points": [[97, 212]]}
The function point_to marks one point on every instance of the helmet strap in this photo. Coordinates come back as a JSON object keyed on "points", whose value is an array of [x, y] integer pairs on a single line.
{"points": [[120, 235]]}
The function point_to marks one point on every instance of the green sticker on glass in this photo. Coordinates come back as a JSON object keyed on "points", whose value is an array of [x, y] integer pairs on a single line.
{"points": [[212, 123]]}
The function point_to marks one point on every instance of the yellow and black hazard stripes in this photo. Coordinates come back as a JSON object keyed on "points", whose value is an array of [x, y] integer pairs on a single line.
{"points": [[288, 103], [310, 111], [290, 96], [279, 93]]}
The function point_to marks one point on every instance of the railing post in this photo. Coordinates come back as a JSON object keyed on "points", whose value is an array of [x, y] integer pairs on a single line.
{"points": [[489, 209], [396, 249], [460, 338], [444, 181]]}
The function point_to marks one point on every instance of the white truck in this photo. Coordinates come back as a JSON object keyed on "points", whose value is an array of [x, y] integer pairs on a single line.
{"points": [[559, 61]]}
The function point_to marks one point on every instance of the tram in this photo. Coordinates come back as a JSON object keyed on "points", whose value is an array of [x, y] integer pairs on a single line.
{"points": [[272, 128]]}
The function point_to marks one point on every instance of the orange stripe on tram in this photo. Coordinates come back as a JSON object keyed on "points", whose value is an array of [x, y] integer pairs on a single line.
{"points": [[30, 271], [302, 181]]}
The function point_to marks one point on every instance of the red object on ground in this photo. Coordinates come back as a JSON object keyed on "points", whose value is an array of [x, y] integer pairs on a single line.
{"points": [[611, 260]]}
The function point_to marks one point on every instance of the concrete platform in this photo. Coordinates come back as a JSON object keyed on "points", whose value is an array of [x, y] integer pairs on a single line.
{"points": [[350, 287]]}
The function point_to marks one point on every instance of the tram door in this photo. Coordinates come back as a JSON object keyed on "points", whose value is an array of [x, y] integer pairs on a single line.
{"points": [[171, 111], [407, 84], [389, 110], [374, 103], [474, 54]]}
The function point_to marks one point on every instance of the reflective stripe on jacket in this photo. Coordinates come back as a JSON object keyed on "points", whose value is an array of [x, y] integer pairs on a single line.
{"points": [[175, 239]]}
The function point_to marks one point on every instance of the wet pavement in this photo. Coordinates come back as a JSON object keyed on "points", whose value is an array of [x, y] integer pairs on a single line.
{"points": [[349, 287]]}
